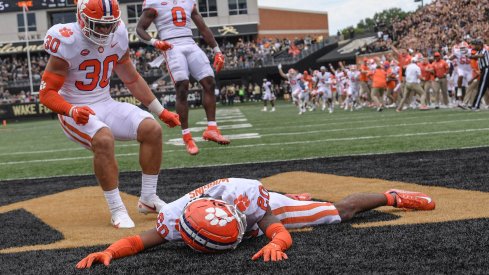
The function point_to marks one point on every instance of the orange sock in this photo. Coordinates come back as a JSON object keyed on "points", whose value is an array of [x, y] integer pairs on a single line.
{"points": [[187, 137]]}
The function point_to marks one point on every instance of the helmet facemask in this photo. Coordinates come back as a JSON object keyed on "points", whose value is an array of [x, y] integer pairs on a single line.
{"points": [[91, 25]]}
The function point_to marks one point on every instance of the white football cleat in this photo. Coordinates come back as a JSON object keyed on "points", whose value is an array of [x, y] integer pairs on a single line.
{"points": [[273, 109], [121, 219], [152, 206]]}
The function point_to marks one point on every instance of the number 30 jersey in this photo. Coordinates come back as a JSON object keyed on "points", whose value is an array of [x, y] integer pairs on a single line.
{"points": [[249, 197], [173, 17], [90, 65]]}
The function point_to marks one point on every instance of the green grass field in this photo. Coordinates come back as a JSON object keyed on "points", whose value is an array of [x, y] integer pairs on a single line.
{"points": [[34, 149]]}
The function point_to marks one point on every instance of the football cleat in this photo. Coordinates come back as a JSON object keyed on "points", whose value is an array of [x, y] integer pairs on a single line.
{"points": [[191, 147], [121, 219], [152, 206], [412, 200], [215, 135], [300, 197]]}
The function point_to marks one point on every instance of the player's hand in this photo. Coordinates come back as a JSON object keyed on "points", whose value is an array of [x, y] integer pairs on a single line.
{"points": [[81, 114], [169, 118], [218, 61], [280, 66], [270, 251], [98, 257], [162, 45]]}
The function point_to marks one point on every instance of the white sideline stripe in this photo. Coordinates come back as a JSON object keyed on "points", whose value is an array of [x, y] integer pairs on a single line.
{"points": [[348, 120], [268, 144], [171, 141], [369, 127]]}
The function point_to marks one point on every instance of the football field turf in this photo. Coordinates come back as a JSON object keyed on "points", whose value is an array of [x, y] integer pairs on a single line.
{"points": [[40, 149], [53, 213]]}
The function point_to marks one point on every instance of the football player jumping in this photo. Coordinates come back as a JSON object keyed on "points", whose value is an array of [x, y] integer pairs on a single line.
{"points": [[75, 85], [217, 216], [173, 21]]}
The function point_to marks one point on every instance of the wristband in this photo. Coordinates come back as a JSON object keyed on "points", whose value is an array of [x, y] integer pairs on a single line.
{"points": [[216, 49], [156, 107]]}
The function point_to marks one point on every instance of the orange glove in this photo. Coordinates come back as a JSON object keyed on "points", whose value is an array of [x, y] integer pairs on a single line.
{"points": [[162, 45], [122, 248], [97, 257], [280, 241], [270, 251], [81, 114], [218, 61], [171, 119]]}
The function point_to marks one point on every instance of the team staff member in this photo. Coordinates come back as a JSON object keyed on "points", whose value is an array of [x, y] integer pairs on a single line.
{"points": [[482, 57], [473, 83], [379, 85], [440, 85], [413, 74], [364, 72], [427, 77]]}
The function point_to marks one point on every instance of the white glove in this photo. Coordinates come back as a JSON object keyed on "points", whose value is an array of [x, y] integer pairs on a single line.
{"points": [[279, 66]]}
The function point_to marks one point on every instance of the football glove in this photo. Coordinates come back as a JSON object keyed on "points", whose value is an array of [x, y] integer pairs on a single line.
{"points": [[271, 251], [162, 45], [169, 118], [81, 114], [218, 61], [97, 257]]}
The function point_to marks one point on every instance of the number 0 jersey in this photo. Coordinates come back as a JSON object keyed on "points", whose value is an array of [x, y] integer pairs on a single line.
{"points": [[173, 17], [249, 197], [90, 65]]}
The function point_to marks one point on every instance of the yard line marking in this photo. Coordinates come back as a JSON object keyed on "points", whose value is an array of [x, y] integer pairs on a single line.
{"points": [[369, 127], [269, 144], [179, 141]]}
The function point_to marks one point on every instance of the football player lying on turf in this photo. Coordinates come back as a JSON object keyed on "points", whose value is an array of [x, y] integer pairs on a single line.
{"points": [[217, 216]]}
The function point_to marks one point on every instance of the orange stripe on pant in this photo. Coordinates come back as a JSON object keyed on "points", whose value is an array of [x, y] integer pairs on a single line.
{"points": [[68, 129], [283, 209], [311, 218], [168, 68]]}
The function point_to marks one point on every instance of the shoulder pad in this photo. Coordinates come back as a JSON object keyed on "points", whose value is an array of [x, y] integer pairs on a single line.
{"points": [[59, 40]]}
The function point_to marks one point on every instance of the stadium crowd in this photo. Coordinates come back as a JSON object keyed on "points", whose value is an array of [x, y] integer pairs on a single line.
{"points": [[239, 55]]}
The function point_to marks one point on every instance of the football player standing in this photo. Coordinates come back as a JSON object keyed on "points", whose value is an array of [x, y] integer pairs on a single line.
{"points": [[75, 84]]}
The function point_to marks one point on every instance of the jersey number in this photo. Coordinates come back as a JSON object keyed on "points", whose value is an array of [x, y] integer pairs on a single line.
{"points": [[179, 16], [94, 75], [263, 198], [52, 44]]}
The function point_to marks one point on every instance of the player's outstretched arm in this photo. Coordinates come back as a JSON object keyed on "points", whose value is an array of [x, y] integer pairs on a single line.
{"points": [[281, 72], [122, 248], [140, 89], [280, 239], [53, 79]]}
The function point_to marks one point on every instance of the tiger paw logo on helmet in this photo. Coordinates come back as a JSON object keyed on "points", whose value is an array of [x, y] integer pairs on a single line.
{"points": [[217, 216], [211, 225]]}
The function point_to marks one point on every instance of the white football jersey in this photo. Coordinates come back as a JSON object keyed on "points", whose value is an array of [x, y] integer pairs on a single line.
{"points": [[324, 79], [90, 65], [173, 17], [462, 58], [354, 77], [294, 81], [231, 190], [267, 87]]}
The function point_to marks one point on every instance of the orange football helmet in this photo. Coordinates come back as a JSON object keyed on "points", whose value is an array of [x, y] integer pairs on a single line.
{"points": [[209, 225], [98, 19]]}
